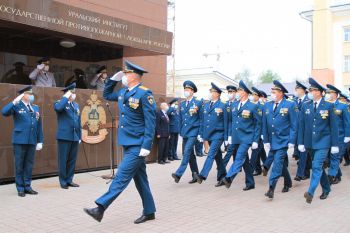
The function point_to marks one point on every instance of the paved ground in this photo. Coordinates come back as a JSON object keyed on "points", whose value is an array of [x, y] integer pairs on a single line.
{"points": [[180, 207]]}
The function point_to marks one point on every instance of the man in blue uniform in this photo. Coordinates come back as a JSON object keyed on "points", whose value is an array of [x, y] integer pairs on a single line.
{"points": [[174, 128], [231, 96], [318, 132], [244, 132], [342, 114], [190, 121], [68, 136], [303, 171], [27, 137], [214, 129], [255, 157], [279, 133], [136, 130]]}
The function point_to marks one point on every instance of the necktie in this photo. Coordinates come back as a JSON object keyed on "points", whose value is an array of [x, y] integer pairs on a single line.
{"points": [[166, 116], [315, 106], [211, 104], [30, 109], [240, 106], [187, 103], [274, 109], [299, 101]]}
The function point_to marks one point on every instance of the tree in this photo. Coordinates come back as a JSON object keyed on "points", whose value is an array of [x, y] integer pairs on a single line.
{"points": [[245, 76], [268, 76]]}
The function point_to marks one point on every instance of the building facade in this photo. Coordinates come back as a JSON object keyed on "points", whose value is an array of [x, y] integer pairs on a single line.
{"points": [[330, 22]]}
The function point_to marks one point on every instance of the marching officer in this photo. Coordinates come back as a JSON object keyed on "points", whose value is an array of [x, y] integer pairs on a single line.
{"points": [[174, 128], [136, 130], [342, 114], [255, 156], [190, 121], [245, 132], [27, 137], [303, 171], [318, 132], [41, 75], [214, 129], [231, 96], [279, 130], [68, 136]]}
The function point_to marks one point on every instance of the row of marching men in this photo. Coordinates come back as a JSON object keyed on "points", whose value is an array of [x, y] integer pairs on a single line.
{"points": [[316, 124], [28, 137]]}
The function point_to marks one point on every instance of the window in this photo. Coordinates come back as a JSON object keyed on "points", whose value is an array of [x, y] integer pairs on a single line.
{"points": [[346, 64], [347, 34]]}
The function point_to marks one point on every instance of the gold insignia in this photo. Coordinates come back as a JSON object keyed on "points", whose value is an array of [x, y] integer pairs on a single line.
{"points": [[337, 111], [143, 88], [259, 112], [93, 121], [296, 109], [245, 113], [150, 99]]}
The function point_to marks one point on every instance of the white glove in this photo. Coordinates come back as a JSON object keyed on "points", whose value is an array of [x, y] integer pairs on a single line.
{"points": [[199, 138], [229, 140], [254, 146], [301, 148], [18, 98], [262, 137], [346, 139], [290, 145], [79, 141], [67, 94], [226, 143], [118, 76], [39, 146], [334, 150], [144, 152], [40, 67], [267, 146]]}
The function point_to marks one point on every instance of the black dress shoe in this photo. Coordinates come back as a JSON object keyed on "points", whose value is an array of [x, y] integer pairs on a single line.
{"points": [[248, 188], [64, 186], [31, 192], [145, 218], [21, 194], [226, 182], [308, 197], [161, 162], [330, 179], [305, 177], [192, 181], [170, 159], [297, 178], [166, 161], [336, 180], [72, 184], [264, 171], [269, 193], [177, 159], [176, 178], [95, 213], [324, 196], [219, 183], [257, 173], [285, 189], [199, 178]]}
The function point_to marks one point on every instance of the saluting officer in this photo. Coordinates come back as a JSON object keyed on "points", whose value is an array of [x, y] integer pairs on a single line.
{"points": [[41, 75], [231, 96], [244, 133], [303, 171], [174, 128], [214, 129], [279, 130], [68, 136], [136, 130], [318, 132], [27, 137], [342, 114], [190, 121]]}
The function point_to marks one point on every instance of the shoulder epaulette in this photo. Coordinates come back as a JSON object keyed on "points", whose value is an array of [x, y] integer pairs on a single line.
{"points": [[290, 100], [224, 102], [143, 88]]}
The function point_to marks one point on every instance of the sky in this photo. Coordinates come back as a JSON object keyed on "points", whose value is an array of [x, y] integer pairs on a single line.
{"points": [[249, 34]]}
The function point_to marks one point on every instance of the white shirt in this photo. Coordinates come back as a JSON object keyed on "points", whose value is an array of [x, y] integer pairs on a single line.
{"points": [[242, 103], [131, 88], [317, 103]]}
